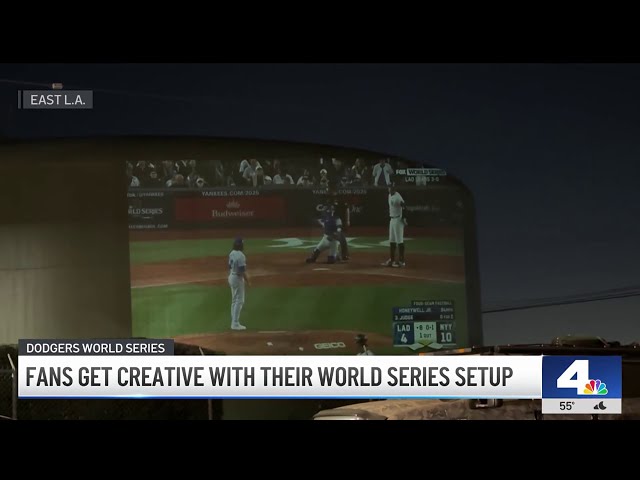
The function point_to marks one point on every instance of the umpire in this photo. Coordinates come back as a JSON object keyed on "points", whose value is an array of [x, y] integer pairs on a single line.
{"points": [[342, 212]]}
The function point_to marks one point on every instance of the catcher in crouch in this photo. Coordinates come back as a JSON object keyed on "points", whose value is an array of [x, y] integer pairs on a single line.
{"points": [[332, 226]]}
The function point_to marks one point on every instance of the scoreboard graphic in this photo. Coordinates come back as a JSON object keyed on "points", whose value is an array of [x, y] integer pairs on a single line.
{"points": [[425, 323], [582, 385]]}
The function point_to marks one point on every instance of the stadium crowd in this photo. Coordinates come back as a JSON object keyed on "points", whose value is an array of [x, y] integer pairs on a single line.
{"points": [[256, 173]]}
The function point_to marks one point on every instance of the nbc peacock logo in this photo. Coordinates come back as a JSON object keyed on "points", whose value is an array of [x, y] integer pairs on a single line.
{"points": [[595, 387]]}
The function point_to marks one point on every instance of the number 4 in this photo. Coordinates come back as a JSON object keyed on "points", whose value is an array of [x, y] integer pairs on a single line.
{"points": [[579, 369], [403, 339]]}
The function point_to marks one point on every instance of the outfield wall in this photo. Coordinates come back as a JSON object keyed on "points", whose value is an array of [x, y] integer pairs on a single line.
{"points": [[278, 206]]}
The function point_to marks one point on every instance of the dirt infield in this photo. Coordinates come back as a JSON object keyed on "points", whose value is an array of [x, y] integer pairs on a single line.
{"points": [[307, 342], [155, 235], [290, 270]]}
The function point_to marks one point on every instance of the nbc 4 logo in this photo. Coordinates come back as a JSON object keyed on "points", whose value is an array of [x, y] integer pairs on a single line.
{"points": [[576, 376], [579, 382]]}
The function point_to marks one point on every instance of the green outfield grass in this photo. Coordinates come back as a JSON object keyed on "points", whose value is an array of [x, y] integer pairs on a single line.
{"points": [[189, 309], [171, 250]]}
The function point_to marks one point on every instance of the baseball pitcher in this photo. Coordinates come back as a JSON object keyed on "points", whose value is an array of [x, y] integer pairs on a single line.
{"points": [[332, 226], [341, 208], [238, 278], [397, 222]]}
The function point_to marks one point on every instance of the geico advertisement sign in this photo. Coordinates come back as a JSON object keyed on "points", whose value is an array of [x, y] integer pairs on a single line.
{"points": [[329, 345]]}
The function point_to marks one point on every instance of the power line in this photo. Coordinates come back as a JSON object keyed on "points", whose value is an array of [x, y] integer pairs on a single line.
{"points": [[592, 293], [574, 297], [562, 301]]}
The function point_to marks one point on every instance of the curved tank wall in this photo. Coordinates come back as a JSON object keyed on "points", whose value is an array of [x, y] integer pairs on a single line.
{"points": [[78, 249]]}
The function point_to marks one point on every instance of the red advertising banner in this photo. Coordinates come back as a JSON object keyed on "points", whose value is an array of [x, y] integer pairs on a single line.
{"points": [[206, 209]]}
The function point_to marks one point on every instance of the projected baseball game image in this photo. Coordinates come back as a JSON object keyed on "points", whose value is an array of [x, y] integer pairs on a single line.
{"points": [[297, 253]]}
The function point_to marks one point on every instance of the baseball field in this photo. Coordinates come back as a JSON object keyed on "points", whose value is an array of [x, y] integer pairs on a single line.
{"points": [[179, 288]]}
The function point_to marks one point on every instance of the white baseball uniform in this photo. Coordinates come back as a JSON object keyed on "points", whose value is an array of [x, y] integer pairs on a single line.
{"points": [[396, 225], [237, 266], [365, 352]]}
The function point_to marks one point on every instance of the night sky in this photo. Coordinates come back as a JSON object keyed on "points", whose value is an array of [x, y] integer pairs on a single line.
{"points": [[550, 152]]}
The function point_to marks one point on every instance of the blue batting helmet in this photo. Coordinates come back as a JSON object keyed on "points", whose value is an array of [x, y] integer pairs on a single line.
{"points": [[238, 243]]}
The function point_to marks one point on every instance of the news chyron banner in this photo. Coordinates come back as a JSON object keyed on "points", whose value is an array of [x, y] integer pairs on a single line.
{"points": [[149, 369]]}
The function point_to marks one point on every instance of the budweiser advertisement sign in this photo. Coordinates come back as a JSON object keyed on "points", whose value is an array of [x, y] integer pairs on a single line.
{"points": [[202, 209]]}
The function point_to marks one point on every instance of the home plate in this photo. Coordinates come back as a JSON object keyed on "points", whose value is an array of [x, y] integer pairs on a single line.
{"points": [[318, 269]]}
